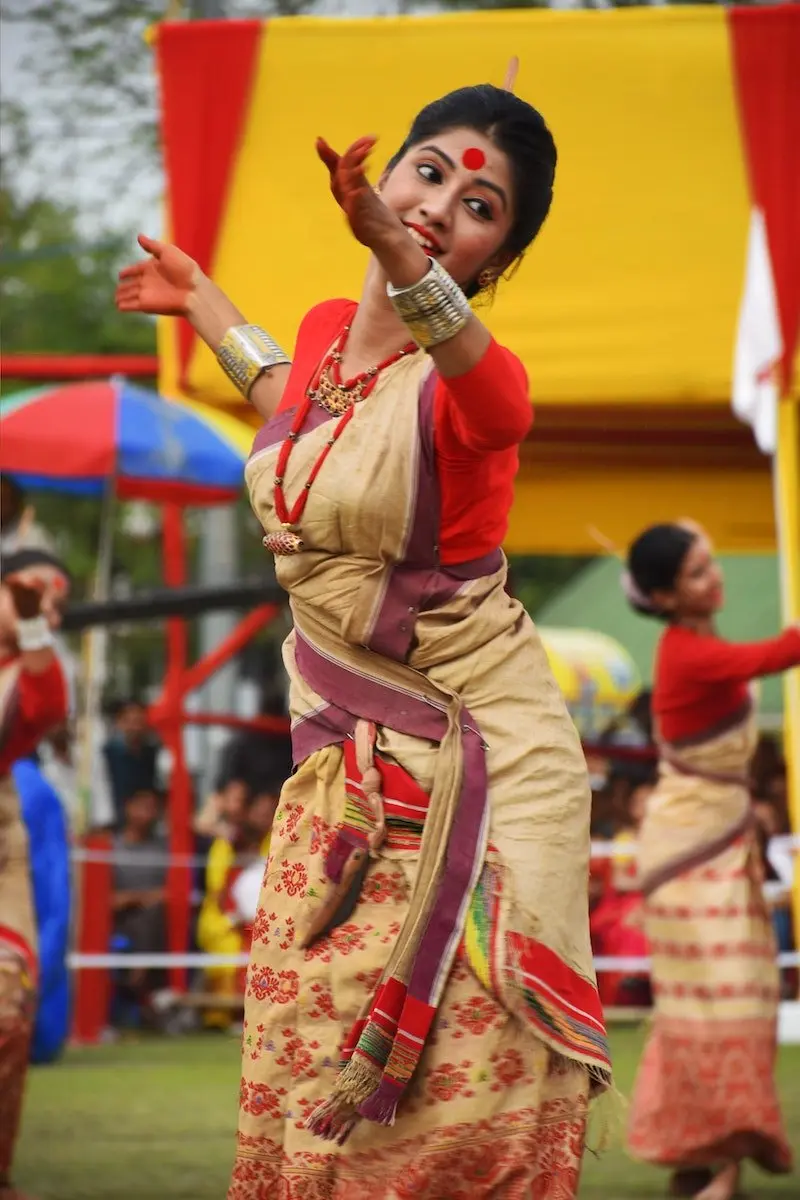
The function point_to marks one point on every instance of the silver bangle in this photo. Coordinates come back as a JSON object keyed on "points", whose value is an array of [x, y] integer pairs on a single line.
{"points": [[435, 309], [246, 352], [34, 633]]}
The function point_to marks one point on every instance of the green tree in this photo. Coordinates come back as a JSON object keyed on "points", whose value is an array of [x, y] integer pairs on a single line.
{"points": [[94, 74]]}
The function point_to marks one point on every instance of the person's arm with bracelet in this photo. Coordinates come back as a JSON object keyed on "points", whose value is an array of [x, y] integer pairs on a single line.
{"points": [[170, 283]]}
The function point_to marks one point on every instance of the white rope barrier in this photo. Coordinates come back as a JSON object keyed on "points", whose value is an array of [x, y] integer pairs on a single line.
{"points": [[788, 843], [84, 962]]}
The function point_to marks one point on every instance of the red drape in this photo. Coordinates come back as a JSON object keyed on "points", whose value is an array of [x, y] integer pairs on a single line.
{"points": [[765, 44], [201, 128]]}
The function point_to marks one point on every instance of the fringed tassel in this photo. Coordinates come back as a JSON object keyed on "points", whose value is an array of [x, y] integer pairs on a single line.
{"points": [[381, 1106], [608, 1112], [333, 1121]]}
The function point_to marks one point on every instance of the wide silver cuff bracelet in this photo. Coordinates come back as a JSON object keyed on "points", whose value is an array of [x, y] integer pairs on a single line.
{"points": [[434, 309], [246, 352]]}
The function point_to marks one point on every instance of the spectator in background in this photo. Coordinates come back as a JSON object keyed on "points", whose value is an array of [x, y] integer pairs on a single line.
{"points": [[18, 527], [616, 921], [253, 754], [131, 755], [139, 896], [225, 924]]}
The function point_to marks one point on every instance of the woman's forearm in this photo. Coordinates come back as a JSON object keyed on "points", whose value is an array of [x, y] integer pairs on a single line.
{"points": [[211, 314], [406, 263]]}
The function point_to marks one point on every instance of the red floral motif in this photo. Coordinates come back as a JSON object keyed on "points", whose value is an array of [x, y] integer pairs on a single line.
{"points": [[476, 1015], [260, 982], [383, 888], [391, 933], [521, 1155], [323, 1005], [370, 979], [509, 1068], [323, 836], [701, 1084], [279, 986], [261, 926], [288, 818], [260, 1100], [320, 950], [348, 938], [288, 985], [294, 878], [448, 1081]]}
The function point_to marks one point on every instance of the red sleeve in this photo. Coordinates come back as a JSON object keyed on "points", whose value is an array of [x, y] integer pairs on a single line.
{"points": [[316, 334], [488, 407], [709, 659], [41, 703]]}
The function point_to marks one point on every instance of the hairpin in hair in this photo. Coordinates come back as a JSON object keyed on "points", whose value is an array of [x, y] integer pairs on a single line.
{"points": [[511, 74]]}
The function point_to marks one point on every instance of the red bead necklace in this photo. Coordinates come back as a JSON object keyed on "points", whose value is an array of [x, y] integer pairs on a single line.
{"points": [[338, 397]]}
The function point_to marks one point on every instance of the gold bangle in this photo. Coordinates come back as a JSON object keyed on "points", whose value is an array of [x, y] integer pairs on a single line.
{"points": [[246, 352], [435, 309]]}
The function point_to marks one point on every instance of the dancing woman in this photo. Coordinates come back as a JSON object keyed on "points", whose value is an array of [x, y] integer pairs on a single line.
{"points": [[421, 993], [705, 1097], [33, 699]]}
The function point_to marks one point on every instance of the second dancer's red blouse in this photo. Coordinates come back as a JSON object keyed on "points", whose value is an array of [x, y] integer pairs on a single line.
{"points": [[479, 420], [700, 679]]}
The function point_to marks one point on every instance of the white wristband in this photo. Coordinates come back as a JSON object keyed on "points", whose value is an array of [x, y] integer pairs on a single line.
{"points": [[33, 633]]}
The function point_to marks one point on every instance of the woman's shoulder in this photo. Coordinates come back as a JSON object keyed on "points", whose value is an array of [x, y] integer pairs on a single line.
{"points": [[323, 321]]}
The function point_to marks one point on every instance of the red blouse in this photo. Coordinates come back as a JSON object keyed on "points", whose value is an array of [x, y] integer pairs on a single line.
{"points": [[40, 705], [700, 679], [479, 420]]}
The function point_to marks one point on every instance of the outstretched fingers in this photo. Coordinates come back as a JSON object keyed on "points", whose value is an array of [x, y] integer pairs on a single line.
{"points": [[151, 245], [134, 271], [126, 297], [327, 154]]}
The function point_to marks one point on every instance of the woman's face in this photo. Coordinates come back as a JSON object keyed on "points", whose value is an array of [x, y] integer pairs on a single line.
{"points": [[460, 214], [698, 590]]}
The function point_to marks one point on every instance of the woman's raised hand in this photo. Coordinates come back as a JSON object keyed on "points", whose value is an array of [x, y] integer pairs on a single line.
{"points": [[162, 283], [369, 218]]}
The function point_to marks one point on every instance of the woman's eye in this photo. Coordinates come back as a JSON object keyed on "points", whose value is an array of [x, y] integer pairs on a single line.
{"points": [[430, 172], [480, 208]]}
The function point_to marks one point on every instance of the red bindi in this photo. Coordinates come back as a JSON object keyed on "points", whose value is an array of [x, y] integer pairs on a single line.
{"points": [[473, 158]]}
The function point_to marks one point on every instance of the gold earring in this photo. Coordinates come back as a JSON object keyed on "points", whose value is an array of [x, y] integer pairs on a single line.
{"points": [[376, 189], [486, 278]]}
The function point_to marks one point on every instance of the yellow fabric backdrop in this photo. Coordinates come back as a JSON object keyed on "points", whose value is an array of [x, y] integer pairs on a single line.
{"points": [[631, 292]]}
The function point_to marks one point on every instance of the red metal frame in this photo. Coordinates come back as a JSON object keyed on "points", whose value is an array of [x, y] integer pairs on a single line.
{"points": [[77, 366]]}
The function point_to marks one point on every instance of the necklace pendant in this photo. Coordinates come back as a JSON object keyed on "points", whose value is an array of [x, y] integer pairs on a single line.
{"points": [[284, 542]]}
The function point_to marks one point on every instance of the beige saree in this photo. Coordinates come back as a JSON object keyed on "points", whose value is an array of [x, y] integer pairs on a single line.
{"points": [[705, 1091], [442, 1038], [17, 946]]}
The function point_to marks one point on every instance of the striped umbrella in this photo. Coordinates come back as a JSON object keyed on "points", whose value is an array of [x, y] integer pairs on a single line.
{"points": [[80, 436]]}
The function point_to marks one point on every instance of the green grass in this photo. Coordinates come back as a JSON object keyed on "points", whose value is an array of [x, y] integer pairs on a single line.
{"points": [[155, 1120]]}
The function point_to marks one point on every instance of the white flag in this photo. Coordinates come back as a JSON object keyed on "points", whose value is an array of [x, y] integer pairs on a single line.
{"points": [[759, 345]]}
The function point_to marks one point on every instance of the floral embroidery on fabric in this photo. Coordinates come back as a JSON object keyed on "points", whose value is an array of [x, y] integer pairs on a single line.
{"points": [[485, 1117], [448, 1081], [525, 1155], [294, 878], [382, 888], [281, 987], [475, 1015]]}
